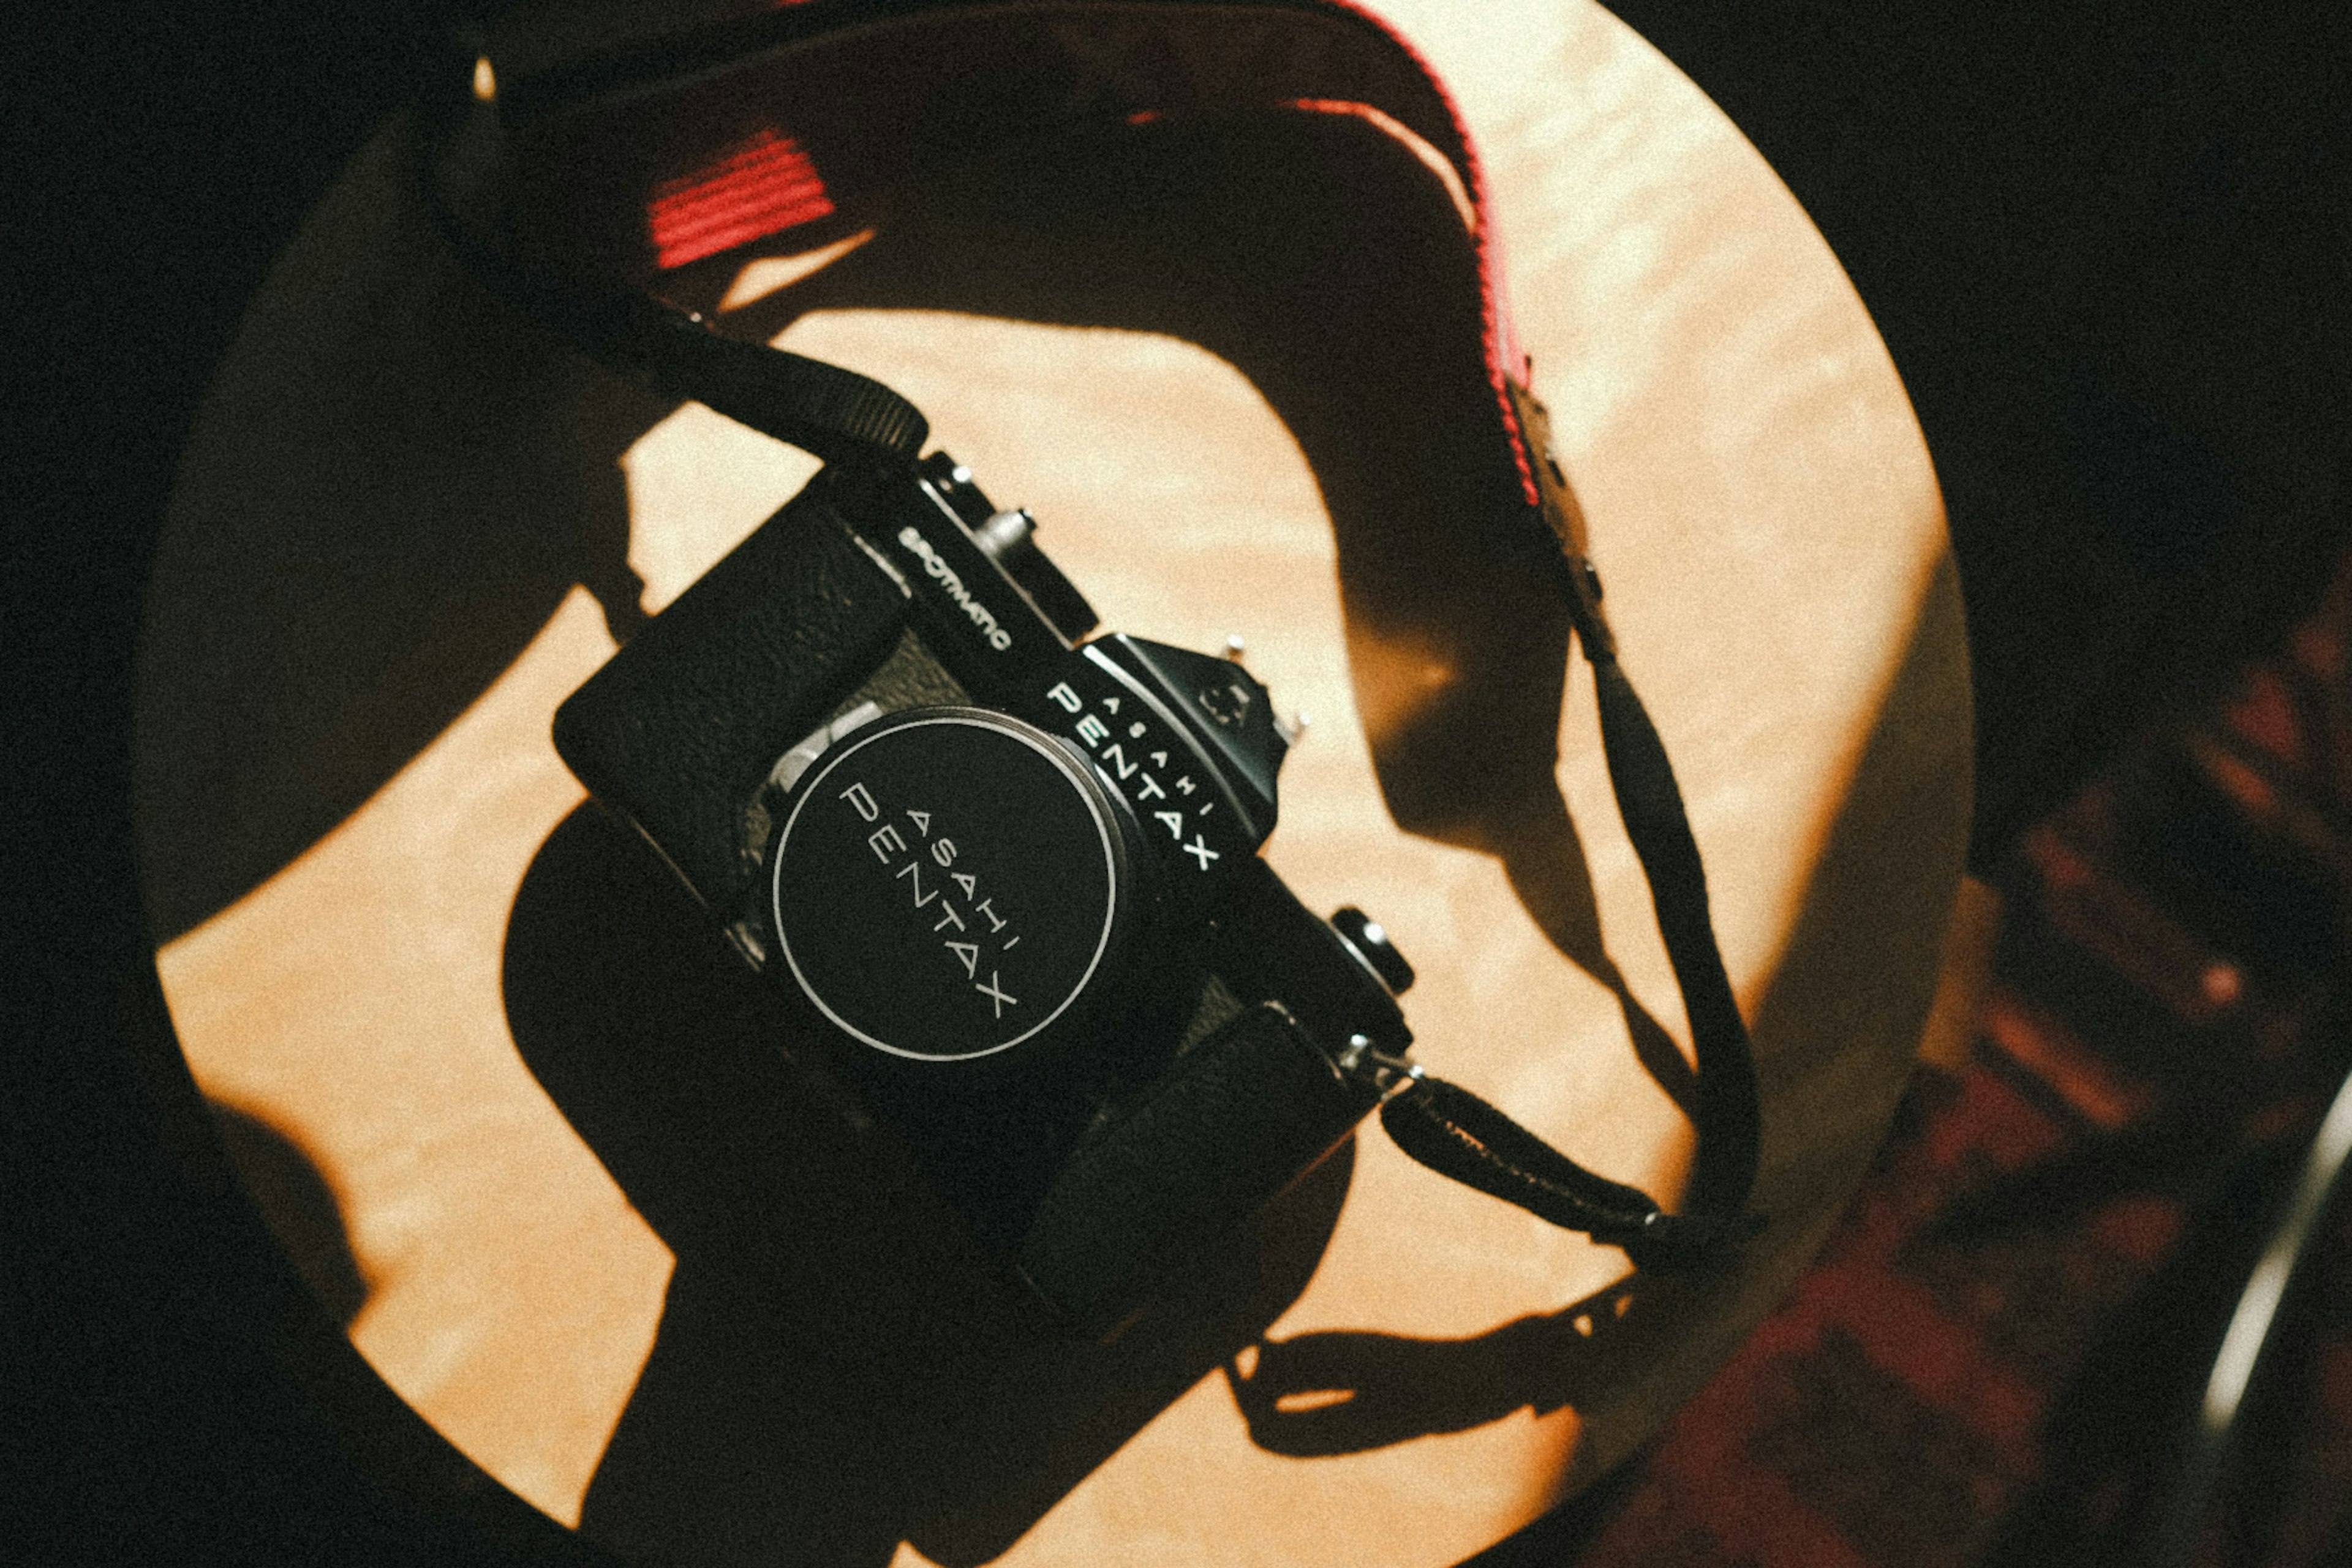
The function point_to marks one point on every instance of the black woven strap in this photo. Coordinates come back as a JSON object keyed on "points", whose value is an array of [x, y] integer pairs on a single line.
{"points": [[824, 409], [834, 414], [1457, 1134], [1652, 807]]}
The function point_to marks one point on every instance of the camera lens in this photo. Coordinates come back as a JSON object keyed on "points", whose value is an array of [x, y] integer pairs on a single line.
{"points": [[949, 882]]}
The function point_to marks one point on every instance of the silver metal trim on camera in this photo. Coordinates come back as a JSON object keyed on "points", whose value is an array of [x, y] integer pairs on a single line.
{"points": [[1391, 1075], [802, 757]]}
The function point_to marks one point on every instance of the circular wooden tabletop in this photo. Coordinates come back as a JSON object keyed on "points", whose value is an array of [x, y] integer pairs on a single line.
{"points": [[447, 1023]]}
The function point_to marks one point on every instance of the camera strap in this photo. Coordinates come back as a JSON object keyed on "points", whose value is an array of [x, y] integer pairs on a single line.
{"points": [[824, 409], [1457, 1134], [566, 167]]}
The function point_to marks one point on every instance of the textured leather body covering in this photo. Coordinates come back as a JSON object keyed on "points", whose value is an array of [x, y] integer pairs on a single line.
{"points": [[1234, 1122], [680, 728]]}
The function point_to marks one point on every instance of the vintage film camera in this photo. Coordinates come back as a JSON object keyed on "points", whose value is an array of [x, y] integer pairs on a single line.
{"points": [[1006, 877]]}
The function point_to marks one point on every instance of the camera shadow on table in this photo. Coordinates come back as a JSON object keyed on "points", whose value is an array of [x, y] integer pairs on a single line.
{"points": [[837, 1367], [390, 489]]}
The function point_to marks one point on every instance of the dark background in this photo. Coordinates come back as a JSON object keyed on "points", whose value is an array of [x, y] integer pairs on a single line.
{"points": [[2108, 244]]}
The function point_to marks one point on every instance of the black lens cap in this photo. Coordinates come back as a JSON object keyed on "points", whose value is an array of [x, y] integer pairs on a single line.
{"points": [[950, 883]]}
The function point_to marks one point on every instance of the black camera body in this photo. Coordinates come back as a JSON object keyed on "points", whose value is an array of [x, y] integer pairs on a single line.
{"points": [[1006, 877]]}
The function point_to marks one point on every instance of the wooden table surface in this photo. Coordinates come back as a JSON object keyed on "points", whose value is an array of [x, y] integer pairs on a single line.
{"points": [[450, 1029]]}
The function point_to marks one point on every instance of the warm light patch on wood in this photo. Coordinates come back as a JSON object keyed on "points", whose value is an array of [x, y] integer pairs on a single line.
{"points": [[352, 1001], [762, 277]]}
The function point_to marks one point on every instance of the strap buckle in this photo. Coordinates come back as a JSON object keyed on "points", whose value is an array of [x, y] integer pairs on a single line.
{"points": [[1389, 1075]]}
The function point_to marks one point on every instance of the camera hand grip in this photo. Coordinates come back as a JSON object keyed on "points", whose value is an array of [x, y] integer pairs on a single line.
{"points": [[1234, 1122]]}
